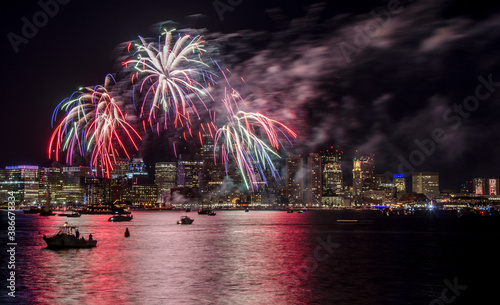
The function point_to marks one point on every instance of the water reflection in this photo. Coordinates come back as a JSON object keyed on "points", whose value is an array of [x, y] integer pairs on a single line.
{"points": [[260, 257]]}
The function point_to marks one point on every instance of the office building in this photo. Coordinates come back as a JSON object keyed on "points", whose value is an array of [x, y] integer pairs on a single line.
{"points": [[50, 184], [294, 179], [426, 183], [23, 181], [74, 184], [314, 190], [165, 177], [400, 184], [332, 178], [363, 173]]}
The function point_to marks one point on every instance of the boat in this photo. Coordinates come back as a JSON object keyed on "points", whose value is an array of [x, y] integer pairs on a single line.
{"points": [[188, 209], [204, 211], [68, 237], [32, 211], [103, 209], [211, 213], [185, 221], [72, 214], [247, 210], [289, 211], [119, 217]]}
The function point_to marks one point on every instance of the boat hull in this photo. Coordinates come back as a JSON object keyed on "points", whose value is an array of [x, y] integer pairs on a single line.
{"points": [[185, 221], [63, 241], [120, 218]]}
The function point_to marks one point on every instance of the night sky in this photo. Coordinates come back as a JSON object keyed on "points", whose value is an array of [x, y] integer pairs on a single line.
{"points": [[338, 73]]}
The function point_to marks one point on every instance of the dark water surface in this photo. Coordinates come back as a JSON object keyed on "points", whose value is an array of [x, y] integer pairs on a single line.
{"points": [[259, 257]]}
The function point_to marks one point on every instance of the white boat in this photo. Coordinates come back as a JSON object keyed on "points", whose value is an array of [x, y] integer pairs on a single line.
{"points": [[68, 237], [185, 221]]}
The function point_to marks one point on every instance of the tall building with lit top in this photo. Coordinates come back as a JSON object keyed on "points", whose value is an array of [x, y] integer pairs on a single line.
{"points": [[294, 179], [332, 177], [426, 183], [400, 184], [363, 172], [314, 190]]}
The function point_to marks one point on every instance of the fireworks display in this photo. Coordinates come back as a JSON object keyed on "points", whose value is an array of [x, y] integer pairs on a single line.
{"points": [[171, 73], [250, 152], [174, 82], [94, 125]]}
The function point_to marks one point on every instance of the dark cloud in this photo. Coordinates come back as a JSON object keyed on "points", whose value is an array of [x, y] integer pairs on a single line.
{"points": [[392, 90]]}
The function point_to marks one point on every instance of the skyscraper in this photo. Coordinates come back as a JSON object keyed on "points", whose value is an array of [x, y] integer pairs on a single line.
{"points": [[313, 179], [74, 183], [165, 177], [188, 172], [363, 172], [426, 183], [332, 179], [213, 170], [400, 184], [294, 179], [51, 182]]}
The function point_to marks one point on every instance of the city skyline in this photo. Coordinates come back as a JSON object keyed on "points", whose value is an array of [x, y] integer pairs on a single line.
{"points": [[377, 119], [307, 180]]}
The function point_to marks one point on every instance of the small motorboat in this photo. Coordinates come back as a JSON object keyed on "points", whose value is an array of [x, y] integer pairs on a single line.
{"points": [[188, 209], [247, 210], [118, 217], [68, 237], [289, 211], [211, 213], [185, 221]]}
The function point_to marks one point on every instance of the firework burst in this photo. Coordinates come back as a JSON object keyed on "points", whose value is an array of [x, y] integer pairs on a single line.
{"points": [[253, 155], [94, 126], [174, 74]]}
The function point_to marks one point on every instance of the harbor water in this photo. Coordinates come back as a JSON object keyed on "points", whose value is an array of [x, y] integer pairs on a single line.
{"points": [[259, 257]]}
